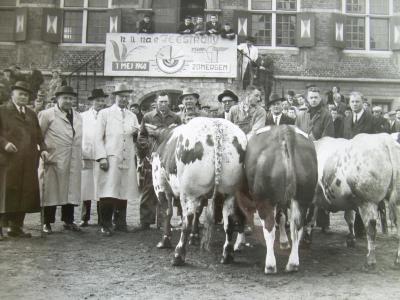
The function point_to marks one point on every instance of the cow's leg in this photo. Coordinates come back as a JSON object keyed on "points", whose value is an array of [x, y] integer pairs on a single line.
{"points": [[310, 218], [349, 216], [268, 222], [369, 215], [382, 214], [194, 238], [397, 216], [227, 213], [296, 230], [166, 211], [283, 238], [240, 241]]}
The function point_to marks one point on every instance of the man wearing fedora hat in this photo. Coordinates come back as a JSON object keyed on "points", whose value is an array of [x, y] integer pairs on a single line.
{"points": [[116, 182], [61, 170], [20, 139], [190, 100], [276, 117], [89, 118], [228, 99]]}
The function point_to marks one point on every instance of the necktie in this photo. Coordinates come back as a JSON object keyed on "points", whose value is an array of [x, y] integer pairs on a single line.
{"points": [[123, 113], [275, 119]]}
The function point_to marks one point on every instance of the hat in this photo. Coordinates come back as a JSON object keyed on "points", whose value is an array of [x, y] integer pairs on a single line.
{"points": [[21, 85], [291, 93], [97, 93], [310, 85], [121, 88], [377, 108], [228, 93], [134, 104], [147, 15], [188, 91], [7, 70], [65, 90], [206, 106], [391, 113], [275, 98]]}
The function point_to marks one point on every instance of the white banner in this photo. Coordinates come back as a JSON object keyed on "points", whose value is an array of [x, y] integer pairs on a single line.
{"points": [[170, 55]]}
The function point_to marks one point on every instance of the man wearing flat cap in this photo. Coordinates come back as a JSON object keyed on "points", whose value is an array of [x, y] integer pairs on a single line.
{"points": [[394, 125], [190, 100], [228, 99], [116, 183], [20, 139], [89, 118], [61, 170], [276, 117]]}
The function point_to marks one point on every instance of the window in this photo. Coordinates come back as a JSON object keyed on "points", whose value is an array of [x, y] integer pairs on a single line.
{"points": [[367, 23], [6, 31], [273, 22], [8, 2], [85, 21]]}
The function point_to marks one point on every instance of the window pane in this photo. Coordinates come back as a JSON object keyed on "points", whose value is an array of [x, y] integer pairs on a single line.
{"points": [[355, 33], [285, 30], [261, 4], [6, 25], [8, 2], [286, 4], [261, 29], [97, 26], [98, 3], [72, 27], [355, 6], [396, 6], [73, 3], [380, 7], [379, 34]]}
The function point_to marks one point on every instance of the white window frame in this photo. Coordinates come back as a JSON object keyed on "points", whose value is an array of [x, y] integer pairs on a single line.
{"points": [[274, 12], [85, 9], [367, 17]]}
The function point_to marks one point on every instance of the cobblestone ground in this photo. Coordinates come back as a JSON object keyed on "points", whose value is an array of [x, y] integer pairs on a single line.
{"points": [[85, 265]]}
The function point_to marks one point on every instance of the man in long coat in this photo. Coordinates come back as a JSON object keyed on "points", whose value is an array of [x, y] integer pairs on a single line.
{"points": [[20, 138], [61, 171], [276, 117], [89, 118], [115, 151], [248, 55]]}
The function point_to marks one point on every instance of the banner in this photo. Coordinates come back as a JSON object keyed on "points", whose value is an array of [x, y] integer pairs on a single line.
{"points": [[170, 55]]}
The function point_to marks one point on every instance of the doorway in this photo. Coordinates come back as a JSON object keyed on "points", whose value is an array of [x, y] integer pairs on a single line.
{"points": [[192, 8]]}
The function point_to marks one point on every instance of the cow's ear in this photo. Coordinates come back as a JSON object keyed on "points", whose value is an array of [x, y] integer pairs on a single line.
{"points": [[305, 36], [51, 25]]}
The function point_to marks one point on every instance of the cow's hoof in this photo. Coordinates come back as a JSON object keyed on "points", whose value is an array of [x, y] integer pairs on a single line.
{"points": [[270, 270], [350, 242], [194, 239], [178, 261], [227, 259], [290, 268], [285, 246], [165, 243], [239, 247], [307, 239]]}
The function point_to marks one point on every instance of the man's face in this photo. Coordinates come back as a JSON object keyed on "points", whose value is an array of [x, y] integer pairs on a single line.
{"points": [[300, 100], [146, 19], [398, 114], [254, 98], [39, 103], [356, 103], [314, 99], [376, 113], [122, 99], [99, 103], [20, 97], [366, 105], [335, 90], [199, 20], [65, 102], [347, 113], [188, 21], [135, 109], [291, 114], [334, 114], [227, 27], [189, 101], [7, 74], [228, 103], [290, 99], [285, 105], [213, 19], [55, 75], [163, 103], [276, 107]]}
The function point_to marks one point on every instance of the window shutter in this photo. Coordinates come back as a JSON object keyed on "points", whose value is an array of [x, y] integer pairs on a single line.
{"points": [[339, 31], [242, 24], [21, 19], [51, 25], [395, 33], [305, 36], [115, 20]]}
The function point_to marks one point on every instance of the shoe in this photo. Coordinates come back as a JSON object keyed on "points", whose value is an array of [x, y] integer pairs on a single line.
{"points": [[121, 228], [47, 229], [84, 224], [18, 232], [72, 227], [105, 231], [141, 227]]}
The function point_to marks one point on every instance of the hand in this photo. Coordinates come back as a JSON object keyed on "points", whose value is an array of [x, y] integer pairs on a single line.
{"points": [[10, 148], [44, 155], [173, 125], [152, 132], [104, 164]]}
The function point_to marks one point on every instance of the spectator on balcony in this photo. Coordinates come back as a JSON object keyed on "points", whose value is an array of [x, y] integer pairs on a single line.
{"points": [[55, 82], [227, 32], [213, 26], [247, 61], [199, 28], [187, 26], [146, 25]]}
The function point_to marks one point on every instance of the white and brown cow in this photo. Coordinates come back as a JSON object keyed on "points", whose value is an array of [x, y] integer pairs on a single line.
{"points": [[193, 162], [281, 172], [358, 174]]}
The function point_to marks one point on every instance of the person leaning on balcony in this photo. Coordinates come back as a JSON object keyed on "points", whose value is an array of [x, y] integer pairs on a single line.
{"points": [[146, 25], [187, 26], [213, 26]]}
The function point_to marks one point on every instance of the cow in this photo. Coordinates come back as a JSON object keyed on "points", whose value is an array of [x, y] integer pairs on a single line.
{"points": [[396, 136], [281, 172], [194, 162], [358, 174]]}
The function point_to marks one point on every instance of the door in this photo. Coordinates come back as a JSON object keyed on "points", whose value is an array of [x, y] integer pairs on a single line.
{"points": [[166, 15]]}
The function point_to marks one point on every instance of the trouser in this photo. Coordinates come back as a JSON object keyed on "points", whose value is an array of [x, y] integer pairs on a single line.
{"points": [[67, 214], [322, 218], [109, 207], [148, 205], [12, 220], [86, 208]]}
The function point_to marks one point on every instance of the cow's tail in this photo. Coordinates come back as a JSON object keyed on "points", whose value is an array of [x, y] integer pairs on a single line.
{"points": [[287, 148]]}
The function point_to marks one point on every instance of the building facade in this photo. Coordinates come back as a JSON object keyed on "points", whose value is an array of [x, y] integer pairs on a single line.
{"points": [[354, 44]]}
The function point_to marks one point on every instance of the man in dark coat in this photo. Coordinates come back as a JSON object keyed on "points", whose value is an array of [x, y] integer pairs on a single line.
{"points": [[337, 122], [228, 99], [382, 125], [227, 32], [276, 117], [20, 137], [393, 124], [146, 25], [187, 27], [213, 26], [35, 80]]}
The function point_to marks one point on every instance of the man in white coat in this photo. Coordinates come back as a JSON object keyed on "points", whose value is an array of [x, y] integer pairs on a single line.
{"points": [[88, 186], [61, 169], [248, 54], [115, 151]]}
